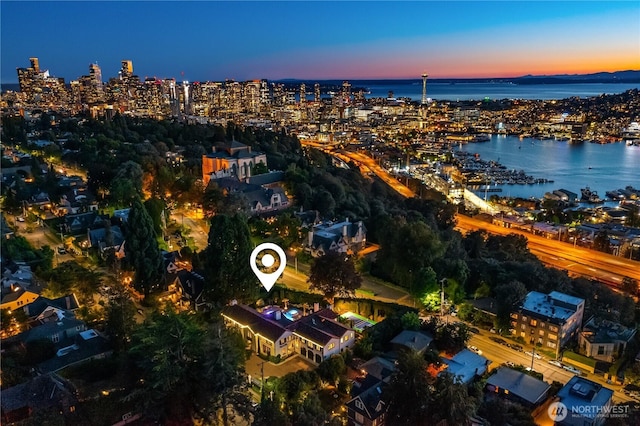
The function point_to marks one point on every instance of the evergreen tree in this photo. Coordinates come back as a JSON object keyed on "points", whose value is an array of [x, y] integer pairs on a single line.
{"points": [[408, 393], [191, 369], [226, 260], [141, 249]]}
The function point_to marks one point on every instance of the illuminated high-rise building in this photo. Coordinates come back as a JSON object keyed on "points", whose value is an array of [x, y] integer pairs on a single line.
{"points": [[346, 92], [127, 68], [424, 88], [316, 92], [35, 64], [303, 94], [96, 74]]}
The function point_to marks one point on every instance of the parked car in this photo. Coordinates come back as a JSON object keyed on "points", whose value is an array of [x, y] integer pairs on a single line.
{"points": [[517, 347], [20, 219], [572, 369], [474, 330], [498, 340], [556, 363], [536, 355], [62, 250], [510, 364], [475, 349]]}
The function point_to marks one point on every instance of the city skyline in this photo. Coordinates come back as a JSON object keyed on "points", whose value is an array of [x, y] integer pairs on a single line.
{"points": [[199, 41]]}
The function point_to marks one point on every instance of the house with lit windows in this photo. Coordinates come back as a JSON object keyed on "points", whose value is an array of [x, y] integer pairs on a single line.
{"points": [[284, 332], [550, 320]]}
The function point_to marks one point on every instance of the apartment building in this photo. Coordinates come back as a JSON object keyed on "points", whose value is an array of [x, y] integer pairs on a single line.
{"points": [[549, 320]]}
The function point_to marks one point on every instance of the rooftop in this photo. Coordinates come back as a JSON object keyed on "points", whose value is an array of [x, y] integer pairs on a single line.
{"points": [[606, 332], [520, 384], [465, 365], [550, 305], [412, 340], [580, 392]]}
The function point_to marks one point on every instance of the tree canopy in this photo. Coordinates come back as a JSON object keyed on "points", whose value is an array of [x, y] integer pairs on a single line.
{"points": [[334, 274], [226, 260], [141, 249]]}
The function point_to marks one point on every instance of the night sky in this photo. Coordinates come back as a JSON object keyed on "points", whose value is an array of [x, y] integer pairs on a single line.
{"points": [[240, 40]]}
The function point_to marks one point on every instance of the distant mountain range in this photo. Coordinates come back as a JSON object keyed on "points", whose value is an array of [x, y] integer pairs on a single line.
{"points": [[629, 76]]}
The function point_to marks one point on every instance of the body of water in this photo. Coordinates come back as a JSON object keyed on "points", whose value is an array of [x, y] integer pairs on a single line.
{"points": [[502, 90], [571, 166]]}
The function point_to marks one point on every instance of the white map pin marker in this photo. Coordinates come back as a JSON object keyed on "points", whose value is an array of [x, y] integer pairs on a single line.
{"points": [[268, 279]]}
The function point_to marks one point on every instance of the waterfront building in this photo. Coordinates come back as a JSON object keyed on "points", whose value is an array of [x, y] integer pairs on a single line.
{"points": [[550, 320]]}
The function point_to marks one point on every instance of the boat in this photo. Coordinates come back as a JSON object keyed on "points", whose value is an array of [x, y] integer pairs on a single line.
{"points": [[590, 196], [481, 138]]}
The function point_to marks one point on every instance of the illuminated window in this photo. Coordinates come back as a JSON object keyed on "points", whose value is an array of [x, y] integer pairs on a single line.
{"points": [[331, 346], [533, 323]]}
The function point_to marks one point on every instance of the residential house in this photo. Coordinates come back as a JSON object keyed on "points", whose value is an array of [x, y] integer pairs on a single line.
{"points": [[190, 285], [84, 346], [5, 230], [47, 395], [465, 366], [604, 340], [285, 332], [258, 199], [17, 297], [550, 320], [366, 406], [106, 238], [584, 401], [412, 340], [343, 237], [321, 335], [68, 302], [57, 325], [264, 335], [17, 274], [77, 200], [518, 387], [171, 268], [121, 215], [262, 200], [76, 224]]}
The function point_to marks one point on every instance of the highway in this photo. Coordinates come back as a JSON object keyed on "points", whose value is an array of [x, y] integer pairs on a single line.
{"points": [[364, 162], [577, 261]]}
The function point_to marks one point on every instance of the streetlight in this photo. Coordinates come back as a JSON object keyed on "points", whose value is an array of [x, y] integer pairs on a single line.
{"points": [[442, 282]]}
